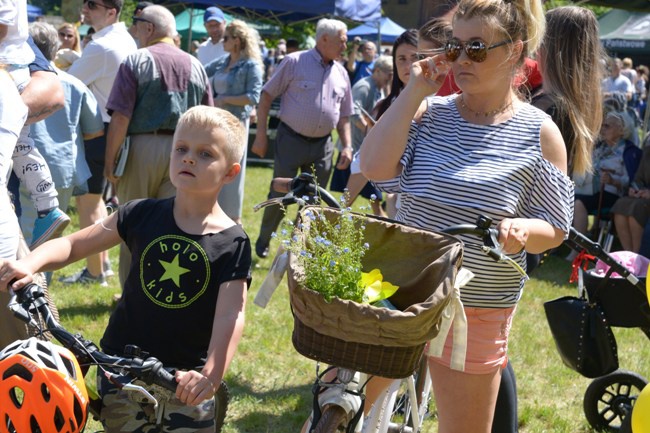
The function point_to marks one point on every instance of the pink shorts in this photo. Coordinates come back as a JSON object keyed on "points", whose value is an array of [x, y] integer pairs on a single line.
{"points": [[487, 340]]}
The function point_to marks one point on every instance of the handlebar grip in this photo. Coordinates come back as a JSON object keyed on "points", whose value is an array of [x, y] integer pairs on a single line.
{"points": [[282, 184], [164, 378]]}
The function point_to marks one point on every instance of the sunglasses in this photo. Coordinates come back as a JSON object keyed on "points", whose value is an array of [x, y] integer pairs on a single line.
{"points": [[65, 35], [92, 5], [475, 49], [226, 38], [142, 20]]}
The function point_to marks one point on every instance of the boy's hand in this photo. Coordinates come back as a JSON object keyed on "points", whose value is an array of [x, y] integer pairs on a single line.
{"points": [[193, 387], [11, 270]]}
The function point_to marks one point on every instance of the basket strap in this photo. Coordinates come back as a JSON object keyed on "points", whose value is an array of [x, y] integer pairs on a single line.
{"points": [[454, 313], [273, 278]]}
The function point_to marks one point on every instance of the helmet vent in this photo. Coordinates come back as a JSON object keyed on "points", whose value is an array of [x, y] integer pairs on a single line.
{"points": [[17, 396], [9, 424], [45, 392], [59, 420], [18, 370], [33, 424]]}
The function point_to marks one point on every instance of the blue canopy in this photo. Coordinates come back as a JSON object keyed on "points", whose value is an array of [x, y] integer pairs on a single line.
{"points": [[288, 11], [33, 12], [385, 28]]}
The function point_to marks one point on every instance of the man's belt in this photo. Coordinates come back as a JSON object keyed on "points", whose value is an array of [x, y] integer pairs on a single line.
{"points": [[303, 137], [156, 132]]}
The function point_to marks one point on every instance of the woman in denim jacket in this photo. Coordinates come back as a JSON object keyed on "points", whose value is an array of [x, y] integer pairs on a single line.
{"points": [[236, 80]]}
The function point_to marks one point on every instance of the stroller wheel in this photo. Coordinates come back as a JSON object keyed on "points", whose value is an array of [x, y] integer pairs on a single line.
{"points": [[609, 400]]}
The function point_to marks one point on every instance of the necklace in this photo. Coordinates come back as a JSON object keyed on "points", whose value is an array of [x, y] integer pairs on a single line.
{"points": [[500, 110]]}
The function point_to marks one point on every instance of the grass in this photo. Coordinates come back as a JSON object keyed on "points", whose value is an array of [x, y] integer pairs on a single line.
{"points": [[270, 383]]}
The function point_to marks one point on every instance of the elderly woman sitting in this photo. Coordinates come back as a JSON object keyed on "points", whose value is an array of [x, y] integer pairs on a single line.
{"points": [[610, 177]]}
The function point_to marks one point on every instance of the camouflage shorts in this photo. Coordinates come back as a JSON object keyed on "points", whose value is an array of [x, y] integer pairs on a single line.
{"points": [[125, 411]]}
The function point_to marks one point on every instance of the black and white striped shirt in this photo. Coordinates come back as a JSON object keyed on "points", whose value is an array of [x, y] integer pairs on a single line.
{"points": [[455, 170]]}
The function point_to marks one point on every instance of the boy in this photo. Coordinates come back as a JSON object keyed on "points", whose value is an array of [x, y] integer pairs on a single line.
{"points": [[185, 293]]}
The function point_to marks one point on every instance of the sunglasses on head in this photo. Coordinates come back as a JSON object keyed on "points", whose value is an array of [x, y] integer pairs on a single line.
{"points": [[475, 49], [142, 20], [92, 5]]}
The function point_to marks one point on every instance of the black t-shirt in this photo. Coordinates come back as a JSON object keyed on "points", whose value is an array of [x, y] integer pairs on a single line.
{"points": [[170, 294]]}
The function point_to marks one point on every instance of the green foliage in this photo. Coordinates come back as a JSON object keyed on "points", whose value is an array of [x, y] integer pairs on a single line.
{"points": [[330, 248], [598, 10]]}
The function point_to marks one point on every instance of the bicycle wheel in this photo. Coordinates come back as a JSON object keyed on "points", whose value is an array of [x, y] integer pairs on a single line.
{"points": [[403, 412], [609, 399], [333, 419], [221, 400]]}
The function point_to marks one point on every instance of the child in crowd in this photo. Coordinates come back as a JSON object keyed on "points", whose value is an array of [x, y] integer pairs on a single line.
{"points": [[185, 293], [29, 165]]}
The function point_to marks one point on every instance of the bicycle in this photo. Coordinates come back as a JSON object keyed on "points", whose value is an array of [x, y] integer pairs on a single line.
{"points": [[127, 372], [338, 404]]}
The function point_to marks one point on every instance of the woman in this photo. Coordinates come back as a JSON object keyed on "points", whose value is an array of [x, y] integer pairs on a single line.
{"points": [[571, 91], [404, 54], [482, 152], [632, 213], [610, 177], [236, 80], [70, 49]]}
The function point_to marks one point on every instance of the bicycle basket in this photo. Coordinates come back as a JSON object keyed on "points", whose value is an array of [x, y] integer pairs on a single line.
{"points": [[376, 340]]}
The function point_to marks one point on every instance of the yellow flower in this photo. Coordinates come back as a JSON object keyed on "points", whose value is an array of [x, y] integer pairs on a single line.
{"points": [[375, 289]]}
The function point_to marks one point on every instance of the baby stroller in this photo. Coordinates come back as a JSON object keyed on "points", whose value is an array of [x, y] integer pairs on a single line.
{"points": [[620, 296]]}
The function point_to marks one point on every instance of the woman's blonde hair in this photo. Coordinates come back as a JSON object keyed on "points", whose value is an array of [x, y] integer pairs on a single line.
{"points": [[570, 60], [517, 19], [250, 43], [76, 46], [203, 117]]}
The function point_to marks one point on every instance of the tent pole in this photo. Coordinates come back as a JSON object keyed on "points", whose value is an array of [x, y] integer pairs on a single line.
{"points": [[189, 31]]}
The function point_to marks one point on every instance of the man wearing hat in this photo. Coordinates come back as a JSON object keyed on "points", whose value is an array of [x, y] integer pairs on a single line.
{"points": [[136, 13], [215, 24]]}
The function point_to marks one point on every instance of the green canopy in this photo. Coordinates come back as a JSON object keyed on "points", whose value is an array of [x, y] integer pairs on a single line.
{"points": [[625, 33], [198, 29]]}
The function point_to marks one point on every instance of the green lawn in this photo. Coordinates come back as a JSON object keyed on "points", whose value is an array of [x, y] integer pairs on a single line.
{"points": [[270, 383]]}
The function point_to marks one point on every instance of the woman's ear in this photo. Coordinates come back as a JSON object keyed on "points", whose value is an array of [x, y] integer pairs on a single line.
{"points": [[517, 48]]}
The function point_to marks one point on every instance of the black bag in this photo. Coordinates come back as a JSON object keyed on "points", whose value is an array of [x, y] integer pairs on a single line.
{"points": [[582, 335]]}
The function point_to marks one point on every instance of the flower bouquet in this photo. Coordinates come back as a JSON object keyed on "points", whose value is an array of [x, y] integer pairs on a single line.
{"points": [[330, 295]]}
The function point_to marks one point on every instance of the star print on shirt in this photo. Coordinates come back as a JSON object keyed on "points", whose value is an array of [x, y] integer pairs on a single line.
{"points": [[173, 271]]}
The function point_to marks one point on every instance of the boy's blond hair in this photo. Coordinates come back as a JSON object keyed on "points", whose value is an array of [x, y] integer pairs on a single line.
{"points": [[202, 116]]}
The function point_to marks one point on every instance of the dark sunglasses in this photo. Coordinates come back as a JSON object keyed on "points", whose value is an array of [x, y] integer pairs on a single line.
{"points": [[92, 5], [142, 20], [475, 49], [65, 35], [226, 38]]}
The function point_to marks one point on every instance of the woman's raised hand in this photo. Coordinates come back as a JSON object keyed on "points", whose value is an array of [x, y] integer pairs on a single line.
{"points": [[428, 75]]}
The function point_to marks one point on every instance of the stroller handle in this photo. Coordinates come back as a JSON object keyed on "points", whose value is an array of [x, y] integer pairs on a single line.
{"points": [[580, 242]]}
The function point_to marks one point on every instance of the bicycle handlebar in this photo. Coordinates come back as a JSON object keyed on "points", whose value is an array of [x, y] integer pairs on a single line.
{"points": [[150, 370], [303, 189]]}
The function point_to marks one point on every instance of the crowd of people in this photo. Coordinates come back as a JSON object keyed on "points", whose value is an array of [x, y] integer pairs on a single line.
{"points": [[500, 111]]}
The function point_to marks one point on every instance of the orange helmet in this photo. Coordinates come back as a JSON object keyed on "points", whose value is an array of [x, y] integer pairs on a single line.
{"points": [[41, 389]]}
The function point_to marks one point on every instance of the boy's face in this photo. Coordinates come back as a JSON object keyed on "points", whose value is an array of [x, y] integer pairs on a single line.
{"points": [[197, 160]]}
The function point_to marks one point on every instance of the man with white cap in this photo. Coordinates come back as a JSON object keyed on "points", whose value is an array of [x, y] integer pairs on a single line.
{"points": [[215, 24]]}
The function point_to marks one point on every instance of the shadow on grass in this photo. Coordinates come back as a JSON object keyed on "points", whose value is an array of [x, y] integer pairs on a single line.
{"points": [[98, 308], [274, 417]]}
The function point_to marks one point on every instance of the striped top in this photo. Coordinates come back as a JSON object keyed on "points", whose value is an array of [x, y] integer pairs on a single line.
{"points": [[455, 170]]}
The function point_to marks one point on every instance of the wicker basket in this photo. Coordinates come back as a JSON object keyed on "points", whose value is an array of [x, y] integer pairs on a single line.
{"points": [[385, 361], [376, 340]]}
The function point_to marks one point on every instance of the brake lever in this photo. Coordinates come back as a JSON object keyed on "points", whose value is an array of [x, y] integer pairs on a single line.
{"points": [[276, 201], [125, 384]]}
